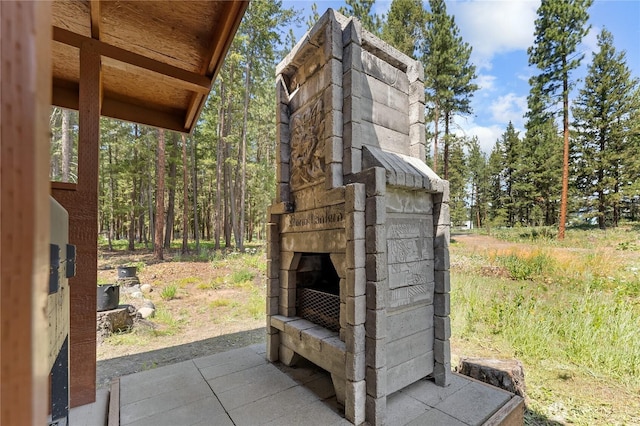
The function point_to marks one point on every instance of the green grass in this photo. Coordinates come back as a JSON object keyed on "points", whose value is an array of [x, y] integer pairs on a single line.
{"points": [[242, 276], [256, 306], [570, 312], [169, 292], [526, 267], [222, 303], [183, 282]]}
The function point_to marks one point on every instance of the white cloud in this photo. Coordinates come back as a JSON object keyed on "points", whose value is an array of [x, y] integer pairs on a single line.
{"points": [[486, 83], [486, 134], [495, 26], [590, 43], [509, 107]]}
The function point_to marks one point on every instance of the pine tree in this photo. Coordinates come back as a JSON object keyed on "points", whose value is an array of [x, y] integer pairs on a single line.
{"points": [[478, 180], [404, 26], [560, 27], [512, 151], [603, 112], [448, 75], [457, 184], [497, 211], [537, 175], [363, 11]]}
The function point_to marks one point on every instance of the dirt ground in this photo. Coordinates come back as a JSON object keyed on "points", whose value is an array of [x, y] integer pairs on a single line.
{"points": [[206, 316]]}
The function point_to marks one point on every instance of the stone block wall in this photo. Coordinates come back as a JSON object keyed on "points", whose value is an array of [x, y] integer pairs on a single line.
{"points": [[352, 184]]}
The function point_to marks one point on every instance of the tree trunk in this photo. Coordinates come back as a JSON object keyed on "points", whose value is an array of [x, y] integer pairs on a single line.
{"points": [[111, 199], [134, 198], [142, 233], [446, 146], [243, 156], [152, 229], [185, 200], [219, 214], [67, 146], [435, 138], [565, 155], [616, 202], [168, 235], [158, 247], [229, 215], [195, 195], [232, 200]]}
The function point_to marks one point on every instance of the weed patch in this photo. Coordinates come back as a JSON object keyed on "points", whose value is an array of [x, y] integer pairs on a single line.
{"points": [[183, 282], [526, 266], [570, 313], [221, 303], [169, 292], [241, 276]]}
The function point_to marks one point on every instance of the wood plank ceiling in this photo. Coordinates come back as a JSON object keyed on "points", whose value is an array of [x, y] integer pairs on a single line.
{"points": [[159, 58]]}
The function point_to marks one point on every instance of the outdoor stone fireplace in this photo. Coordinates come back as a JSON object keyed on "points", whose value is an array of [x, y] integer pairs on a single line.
{"points": [[358, 263]]}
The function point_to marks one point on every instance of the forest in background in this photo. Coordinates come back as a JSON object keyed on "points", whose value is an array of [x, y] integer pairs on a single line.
{"points": [[217, 183]]}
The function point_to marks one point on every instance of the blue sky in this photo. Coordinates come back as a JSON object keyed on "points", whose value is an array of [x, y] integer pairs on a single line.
{"points": [[500, 31]]}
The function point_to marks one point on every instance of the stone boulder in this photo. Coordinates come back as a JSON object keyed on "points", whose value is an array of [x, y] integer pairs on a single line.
{"points": [[114, 320], [507, 374], [146, 312]]}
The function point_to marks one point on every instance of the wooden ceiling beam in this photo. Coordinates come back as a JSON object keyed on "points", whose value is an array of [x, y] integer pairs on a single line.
{"points": [[65, 95], [184, 79], [233, 16], [122, 110], [94, 8]]}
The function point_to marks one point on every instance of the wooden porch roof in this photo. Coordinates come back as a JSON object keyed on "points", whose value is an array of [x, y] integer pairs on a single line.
{"points": [[159, 58]]}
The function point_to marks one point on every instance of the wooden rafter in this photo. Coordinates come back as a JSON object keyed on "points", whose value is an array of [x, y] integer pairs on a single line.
{"points": [[94, 7], [185, 79]]}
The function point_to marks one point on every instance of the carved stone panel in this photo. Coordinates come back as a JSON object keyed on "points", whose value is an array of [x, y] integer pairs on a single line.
{"points": [[307, 145]]}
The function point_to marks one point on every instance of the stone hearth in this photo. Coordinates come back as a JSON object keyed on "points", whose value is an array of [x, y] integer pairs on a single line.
{"points": [[358, 263]]}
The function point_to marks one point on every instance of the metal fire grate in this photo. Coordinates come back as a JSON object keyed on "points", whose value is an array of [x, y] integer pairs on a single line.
{"points": [[319, 307]]}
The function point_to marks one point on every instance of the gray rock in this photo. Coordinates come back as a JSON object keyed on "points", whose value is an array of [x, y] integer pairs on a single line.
{"points": [[137, 295], [146, 303], [146, 288], [146, 312]]}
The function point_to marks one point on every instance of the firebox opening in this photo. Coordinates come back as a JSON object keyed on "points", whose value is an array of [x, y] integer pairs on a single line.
{"points": [[318, 290]]}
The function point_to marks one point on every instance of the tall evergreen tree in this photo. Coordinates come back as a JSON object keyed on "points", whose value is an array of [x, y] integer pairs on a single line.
{"points": [[448, 75], [404, 26], [457, 183], [158, 246], [497, 212], [559, 28], [511, 145], [478, 181], [602, 117], [537, 175], [363, 11]]}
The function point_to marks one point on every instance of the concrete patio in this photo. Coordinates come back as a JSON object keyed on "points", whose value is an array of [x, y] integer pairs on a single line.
{"points": [[240, 387]]}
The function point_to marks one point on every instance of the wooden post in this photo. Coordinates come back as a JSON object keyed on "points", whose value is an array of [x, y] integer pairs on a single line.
{"points": [[25, 87], [82, 204]]}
